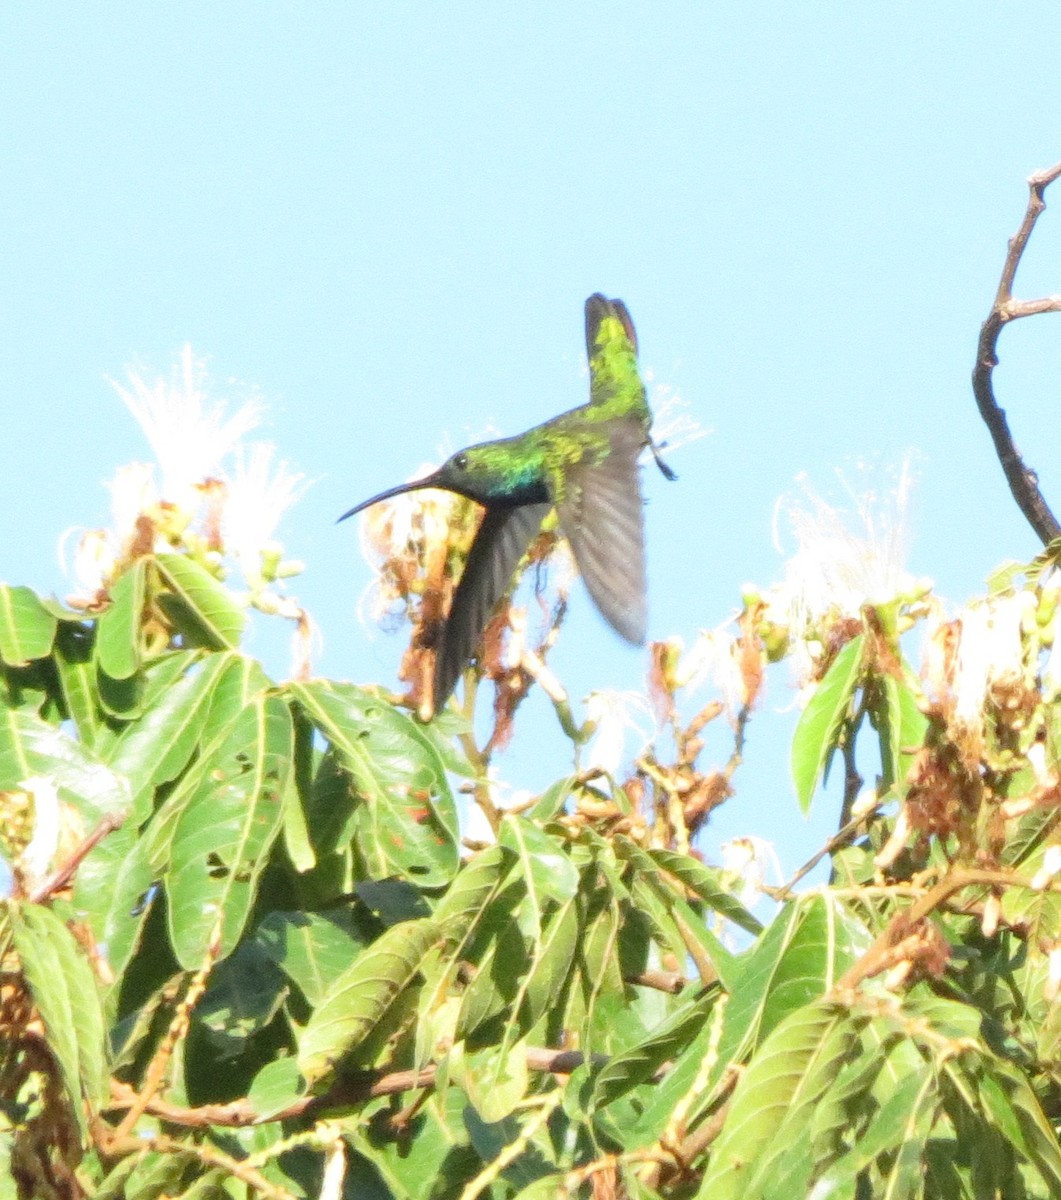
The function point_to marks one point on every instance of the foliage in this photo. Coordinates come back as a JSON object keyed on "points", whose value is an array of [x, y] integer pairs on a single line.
{"points": [[250, 948], [257, 962]]}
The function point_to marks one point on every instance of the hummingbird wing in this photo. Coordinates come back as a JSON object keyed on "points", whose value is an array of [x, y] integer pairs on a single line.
{"points": [[600, 512], [501, 542]]}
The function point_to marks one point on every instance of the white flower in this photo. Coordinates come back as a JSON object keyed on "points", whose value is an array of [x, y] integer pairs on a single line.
{"points": [[1053, 974], [715, 656], [1051, 865], [616, 714], [1050, 598], [748, 860], [258, 495], [37, 857], [189, 435], [133, 493], [99, 551], [990, 652], [95, 559], [841, 563]]}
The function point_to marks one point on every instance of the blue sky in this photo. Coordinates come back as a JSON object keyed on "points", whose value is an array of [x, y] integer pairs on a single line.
{"points": [[387, 217]]}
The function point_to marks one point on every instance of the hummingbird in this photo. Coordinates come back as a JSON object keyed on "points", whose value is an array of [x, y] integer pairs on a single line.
{"points": [[583, 463]]}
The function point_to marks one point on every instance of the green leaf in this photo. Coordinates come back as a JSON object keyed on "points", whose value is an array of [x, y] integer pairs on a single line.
{"points": [[31, 746], [31, 689], [638, 1117], [276, 1086], [244, 993], [434, 1164], [407, 822], [637, 1065], [895, 1137], [27, 629], [552, 963], [822, 720], [156, 748], [118, 633], [361, 996], [791, 1072], [222, 836], [157, 1175], [495, 1079], [113, 876], [66, 997], [551, 802], [803, 952], [682, 928], [901, 725], [600, 968], [242, 680], [77, 680], [201, 608], [457, 916], [312, 949], [502, 960], [241, 683], [706, 883], [111, 890], [548, 872], [1019, 1117], [468, 895]]}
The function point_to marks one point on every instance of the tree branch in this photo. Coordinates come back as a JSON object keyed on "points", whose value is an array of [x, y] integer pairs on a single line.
{"points": [[1023, 481], [344, 1092], [59, 879]]}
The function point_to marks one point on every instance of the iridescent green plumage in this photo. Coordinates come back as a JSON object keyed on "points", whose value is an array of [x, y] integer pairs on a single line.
{"points": [[583, 463]]}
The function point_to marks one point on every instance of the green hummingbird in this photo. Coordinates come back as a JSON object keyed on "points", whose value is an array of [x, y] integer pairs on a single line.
{"points": [[583, 463]]}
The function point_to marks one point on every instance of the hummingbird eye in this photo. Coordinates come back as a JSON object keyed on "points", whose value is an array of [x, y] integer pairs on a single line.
{"points": [[460, 461]]}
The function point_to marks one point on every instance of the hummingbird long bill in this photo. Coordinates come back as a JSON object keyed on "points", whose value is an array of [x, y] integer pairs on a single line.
{"points": [[583, 463]]}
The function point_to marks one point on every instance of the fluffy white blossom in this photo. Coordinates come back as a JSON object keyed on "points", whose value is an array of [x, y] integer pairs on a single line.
{"points": [[843, 560], [616, 716], [38, 855], [715, 658], [258, 494], [749, 861], [189, 434]]}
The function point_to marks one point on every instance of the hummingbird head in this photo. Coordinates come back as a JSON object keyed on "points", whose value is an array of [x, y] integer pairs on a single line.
{"points": [[491, 473]]}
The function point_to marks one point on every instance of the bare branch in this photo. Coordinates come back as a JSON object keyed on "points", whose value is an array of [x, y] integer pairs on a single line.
{"points": [[343, 1093], [1023, 481], [60, 878]]}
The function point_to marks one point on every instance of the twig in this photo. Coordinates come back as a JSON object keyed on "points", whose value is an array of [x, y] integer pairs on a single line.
{"points": [[1023, 481], [839, 839], [178, 1027], [351, 1090], [663, 981], [61, 877], [209, 1156], [702, 1137], [881, 954]]}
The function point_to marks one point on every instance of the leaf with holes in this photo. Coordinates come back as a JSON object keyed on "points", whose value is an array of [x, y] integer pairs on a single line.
{"points": [[157, 747], [407, 822], [222, 836]]}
